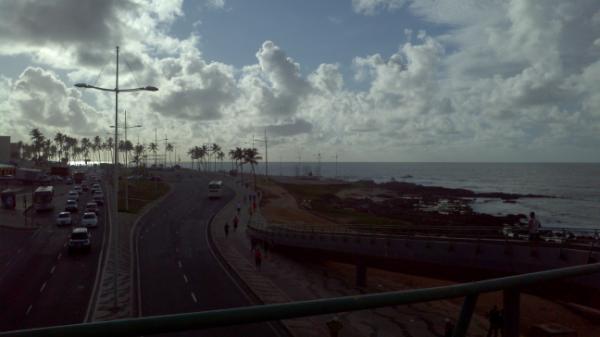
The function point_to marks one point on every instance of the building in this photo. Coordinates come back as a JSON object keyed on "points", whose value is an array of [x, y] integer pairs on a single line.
{"points": [[4, 149]]}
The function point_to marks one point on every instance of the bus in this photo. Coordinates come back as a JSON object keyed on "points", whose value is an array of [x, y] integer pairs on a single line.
{"points": [[42, 198], [215, 189]]}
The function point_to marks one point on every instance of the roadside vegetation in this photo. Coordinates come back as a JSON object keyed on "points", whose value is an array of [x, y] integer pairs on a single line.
{"points": [[141, 193]]}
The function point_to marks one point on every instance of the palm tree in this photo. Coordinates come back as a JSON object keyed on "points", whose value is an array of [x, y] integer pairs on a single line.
{"points": [[86, 144], [97, 147], [108, 145], [251, 157], [191, 153], [38, 139], [221, 155], [238, 156], [169, 148], [59, 140], [215, 149], [154, 148]]}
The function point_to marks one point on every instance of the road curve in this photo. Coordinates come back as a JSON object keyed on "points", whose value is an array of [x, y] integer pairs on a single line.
{"points": [[177, 271]]}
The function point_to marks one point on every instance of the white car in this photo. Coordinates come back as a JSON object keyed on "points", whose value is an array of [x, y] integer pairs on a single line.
{"points": [[73, 195], [71, 206], [63, 219], [89, 219], [78, 188], [80, 240]]}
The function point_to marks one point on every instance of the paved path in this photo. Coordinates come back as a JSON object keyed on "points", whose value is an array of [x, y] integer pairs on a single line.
{"points": [[283, 279], [178, 271]]}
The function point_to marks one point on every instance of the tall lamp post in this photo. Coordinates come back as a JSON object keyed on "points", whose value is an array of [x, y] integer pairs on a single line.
{"points": [[116, 90], [126, 127]]}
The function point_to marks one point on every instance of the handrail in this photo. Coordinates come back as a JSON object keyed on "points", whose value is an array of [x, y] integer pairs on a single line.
{"points": [[260, 313]]}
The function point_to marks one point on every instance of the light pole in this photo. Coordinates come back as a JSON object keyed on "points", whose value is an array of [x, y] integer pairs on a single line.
{"points": [[126, 160], [116, 90]]}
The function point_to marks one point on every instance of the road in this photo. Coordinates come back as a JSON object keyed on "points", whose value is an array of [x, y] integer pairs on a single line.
{"points": [[40, 284], [178, 272]]}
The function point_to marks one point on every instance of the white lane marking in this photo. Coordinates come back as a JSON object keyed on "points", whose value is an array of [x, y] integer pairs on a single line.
{"points": [[59, 256], [52, 270], [194, 297], [28, 309], [43, 286], [179, 264], [185, 278]]}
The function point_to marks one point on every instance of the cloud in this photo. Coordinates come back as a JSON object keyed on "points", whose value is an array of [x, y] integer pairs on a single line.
{"points": [[38, 98], [291, 129], [371, 7]]}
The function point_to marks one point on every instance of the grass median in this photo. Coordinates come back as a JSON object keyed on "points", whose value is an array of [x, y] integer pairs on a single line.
{"points": [[141, 193]]}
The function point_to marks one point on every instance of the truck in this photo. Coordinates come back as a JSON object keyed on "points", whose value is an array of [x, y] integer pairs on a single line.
{"points": [[78, 177]]}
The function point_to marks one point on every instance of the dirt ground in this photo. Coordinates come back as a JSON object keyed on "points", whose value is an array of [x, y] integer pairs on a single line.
{"points": [[279, 206]]}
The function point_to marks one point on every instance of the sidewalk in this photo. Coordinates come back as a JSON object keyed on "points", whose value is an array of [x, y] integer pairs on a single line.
{"points": [[284, 279], [235, 249]]}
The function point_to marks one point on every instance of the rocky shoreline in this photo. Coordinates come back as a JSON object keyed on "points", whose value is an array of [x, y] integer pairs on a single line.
{"points": [[402, 202]]}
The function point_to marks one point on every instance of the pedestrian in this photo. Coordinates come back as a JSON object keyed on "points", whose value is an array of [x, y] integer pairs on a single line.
{"points": [[254, 205], [239, 207], [226, 229], [257, 257], [495, 321], [448, 328], [235, 222], [534, 227], [250, 211]]}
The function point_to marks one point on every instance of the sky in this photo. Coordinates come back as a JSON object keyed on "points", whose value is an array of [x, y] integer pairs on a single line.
{"points": [[368, 80]]}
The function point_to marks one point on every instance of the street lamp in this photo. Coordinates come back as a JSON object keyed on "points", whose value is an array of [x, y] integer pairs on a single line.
{"points": [[127, 161], [116, 90]]}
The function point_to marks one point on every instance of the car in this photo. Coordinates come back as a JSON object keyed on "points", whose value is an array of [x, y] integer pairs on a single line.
{"points": [[91, 206], [155, 178], [69, 181], [71, 206], [89, 219], [80, 240], [63, 219], [78, 188], [95, 186], [73, 195], [85, 187], [98, 192], [99, 199]]}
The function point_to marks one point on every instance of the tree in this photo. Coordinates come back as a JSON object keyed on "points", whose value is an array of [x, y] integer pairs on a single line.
{"points": [[251, 157], [109, 145], [59, 140], [215, 149], [86, 144], [97, 147], [221, 155], [154, 148], [169, 148], [37, 139]]}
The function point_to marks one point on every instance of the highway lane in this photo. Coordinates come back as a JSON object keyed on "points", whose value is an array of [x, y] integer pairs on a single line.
{"points": [[42, 285], [178, 272]]}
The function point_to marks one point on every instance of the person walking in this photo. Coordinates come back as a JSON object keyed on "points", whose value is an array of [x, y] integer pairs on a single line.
{"points": [[534, 227], [239, 207], [235, 222], [495, 321], [257, 258], [226, 229]]}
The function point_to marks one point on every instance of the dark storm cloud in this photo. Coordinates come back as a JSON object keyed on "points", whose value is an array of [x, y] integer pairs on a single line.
{"points": [[79, 21]]}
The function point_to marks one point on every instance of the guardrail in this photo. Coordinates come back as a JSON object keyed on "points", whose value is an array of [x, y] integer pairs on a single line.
{"points": [[511, 286]]}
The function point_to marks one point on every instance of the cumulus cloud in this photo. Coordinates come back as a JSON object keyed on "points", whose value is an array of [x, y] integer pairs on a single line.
{"points": [[38, 98]]}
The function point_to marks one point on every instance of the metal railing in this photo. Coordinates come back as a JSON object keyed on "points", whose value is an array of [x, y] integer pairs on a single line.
{"points": [[511, 286]]}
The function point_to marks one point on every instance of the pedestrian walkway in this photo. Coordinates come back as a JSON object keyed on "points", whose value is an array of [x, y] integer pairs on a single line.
{"points": [[236, 250], [283, 279]]}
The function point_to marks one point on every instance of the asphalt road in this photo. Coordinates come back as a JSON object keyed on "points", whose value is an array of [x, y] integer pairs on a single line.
{"points": [[40, 284], [177, 270]]}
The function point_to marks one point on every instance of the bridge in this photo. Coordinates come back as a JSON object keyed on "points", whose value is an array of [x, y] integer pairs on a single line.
{"points": [[459, 256]]}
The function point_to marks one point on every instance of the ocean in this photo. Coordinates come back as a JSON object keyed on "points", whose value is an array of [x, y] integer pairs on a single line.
{"points": [[574, 188]]}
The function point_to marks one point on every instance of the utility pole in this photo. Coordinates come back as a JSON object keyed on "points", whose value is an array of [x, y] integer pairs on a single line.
{"points": [[116, 189]]}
